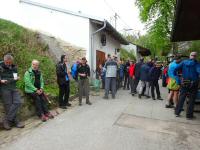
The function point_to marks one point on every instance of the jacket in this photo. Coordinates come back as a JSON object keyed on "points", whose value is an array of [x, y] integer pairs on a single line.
{"points": [[61, 72], [111, 68], [190, 69], [29, 79], [132, 70], [173, 71], [154, 73], [6, 73], [144, 72], [137, 69]]}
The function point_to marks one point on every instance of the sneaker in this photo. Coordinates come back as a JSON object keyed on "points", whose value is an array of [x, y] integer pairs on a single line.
{"points": [[68, 104], [148, 97], [7, 125], [113, 97], [89, 103], [44, 118], [133, 94], [153, 98], [191, 118], [139, 96], [177, 115], [19, 125], [159, 98], [49, 115]]}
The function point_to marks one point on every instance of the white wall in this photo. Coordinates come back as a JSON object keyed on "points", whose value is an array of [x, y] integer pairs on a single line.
{"points": [[74, 30], [111, 44]]}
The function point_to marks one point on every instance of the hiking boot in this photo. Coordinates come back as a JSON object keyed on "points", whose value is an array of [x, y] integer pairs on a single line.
{"points": [[49, 115], [105, 97], [63, 107], [44, 118], [68, 104], [7, 125], [153, 98], [169, 106], [89, 103]]}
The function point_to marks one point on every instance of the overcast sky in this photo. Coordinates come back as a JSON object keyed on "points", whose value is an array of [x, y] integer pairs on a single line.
{"points": [[126, 9]]}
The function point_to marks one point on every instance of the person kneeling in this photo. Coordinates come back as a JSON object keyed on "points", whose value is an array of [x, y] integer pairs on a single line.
{"points": [[34, 86]]}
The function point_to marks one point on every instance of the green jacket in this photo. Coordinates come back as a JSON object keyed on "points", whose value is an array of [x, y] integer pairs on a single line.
{"points": [[29, 79], [6, 73]]}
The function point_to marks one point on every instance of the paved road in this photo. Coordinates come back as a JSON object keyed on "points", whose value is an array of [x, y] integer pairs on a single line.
{"points": [[125, 123]]}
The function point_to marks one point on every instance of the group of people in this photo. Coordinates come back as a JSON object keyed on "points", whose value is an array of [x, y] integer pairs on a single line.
{"points": [[34, 87], [131, 76], [182, 82]]}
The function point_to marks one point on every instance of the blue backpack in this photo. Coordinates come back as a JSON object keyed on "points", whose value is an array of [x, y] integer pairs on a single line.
{"points": [[74, 70]]}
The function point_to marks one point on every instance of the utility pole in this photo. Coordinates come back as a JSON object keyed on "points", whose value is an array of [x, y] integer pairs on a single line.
{"points": [[115, 16]]}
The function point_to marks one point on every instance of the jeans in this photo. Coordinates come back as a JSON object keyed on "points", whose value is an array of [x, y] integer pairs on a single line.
{"points": [[153, 85], [142, 85], [132, 84], [135, 84], [110, 83], [126, 82], [64, 91], [191, 92]]}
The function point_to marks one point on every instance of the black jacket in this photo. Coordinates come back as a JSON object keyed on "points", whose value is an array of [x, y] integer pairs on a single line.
{"points": [[61, 72], [137, 69]]}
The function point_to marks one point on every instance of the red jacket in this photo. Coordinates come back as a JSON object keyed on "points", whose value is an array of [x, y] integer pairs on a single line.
{"points": [[131, 70]]}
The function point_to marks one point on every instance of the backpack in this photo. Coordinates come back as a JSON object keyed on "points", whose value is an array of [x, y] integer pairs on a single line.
{"points": [[74, 70]]}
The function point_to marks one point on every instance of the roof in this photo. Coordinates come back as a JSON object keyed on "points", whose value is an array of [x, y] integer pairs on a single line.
{"points": [[142, 50], [110, 30], [186, 26]]}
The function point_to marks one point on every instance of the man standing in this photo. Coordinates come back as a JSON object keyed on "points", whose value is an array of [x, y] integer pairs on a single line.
{"points": [[137, 74], [84, 73], [131, 76], [63, 80], [10, 95], [190, 77], [154, 74], [144, 79], [126, 75], [34, 86], [111, 74]]}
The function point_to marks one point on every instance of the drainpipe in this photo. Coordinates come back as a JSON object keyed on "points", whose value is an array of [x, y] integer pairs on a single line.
{"points": [[92, 48]]}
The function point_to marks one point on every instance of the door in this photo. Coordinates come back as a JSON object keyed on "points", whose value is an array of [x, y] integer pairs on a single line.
{"points": [[100, 58]]}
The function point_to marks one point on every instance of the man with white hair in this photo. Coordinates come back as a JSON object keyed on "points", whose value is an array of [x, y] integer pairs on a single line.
{"points": [[10, 95], [189, 84], [34, 86]]}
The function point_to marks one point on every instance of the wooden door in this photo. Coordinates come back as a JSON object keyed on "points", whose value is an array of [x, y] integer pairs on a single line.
{"points": [[100, 58]]}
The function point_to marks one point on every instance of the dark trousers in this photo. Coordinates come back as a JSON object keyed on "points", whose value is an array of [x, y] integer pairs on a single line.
{"points": [[132, 84], [83, 87], [135, 84], [191, 92], [153, 85], [126, 81], [110, 84], [12, 102], [40, 103], [64, 91]]}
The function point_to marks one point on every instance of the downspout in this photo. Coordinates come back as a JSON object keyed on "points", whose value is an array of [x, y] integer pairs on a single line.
{"points": [[92, 49]]}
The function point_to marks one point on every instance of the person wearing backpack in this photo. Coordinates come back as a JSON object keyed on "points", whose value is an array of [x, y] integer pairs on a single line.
{"points": [[63, 80], [10, 95], [74, 71]]}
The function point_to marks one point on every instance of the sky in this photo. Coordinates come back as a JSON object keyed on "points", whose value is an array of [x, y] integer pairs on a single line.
{"points": [[105, 9]]}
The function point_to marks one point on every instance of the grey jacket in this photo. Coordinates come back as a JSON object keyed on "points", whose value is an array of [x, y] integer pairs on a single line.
{"points": [[111, 68]]}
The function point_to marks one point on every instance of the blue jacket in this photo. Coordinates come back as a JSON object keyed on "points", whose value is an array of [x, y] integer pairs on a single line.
{"points": [[121, 71], [154, 73], [144, 72], [173, 71], [190, 69]]}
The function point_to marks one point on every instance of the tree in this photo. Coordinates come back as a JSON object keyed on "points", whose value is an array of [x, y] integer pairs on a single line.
{"points": [[158, 16]]}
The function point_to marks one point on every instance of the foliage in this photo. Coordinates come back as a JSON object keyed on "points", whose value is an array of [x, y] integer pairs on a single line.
{"points": [[158, 16], [125, 55]]}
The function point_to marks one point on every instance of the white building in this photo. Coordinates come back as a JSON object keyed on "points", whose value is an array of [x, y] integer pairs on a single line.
{"points": [[96, 36]]}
